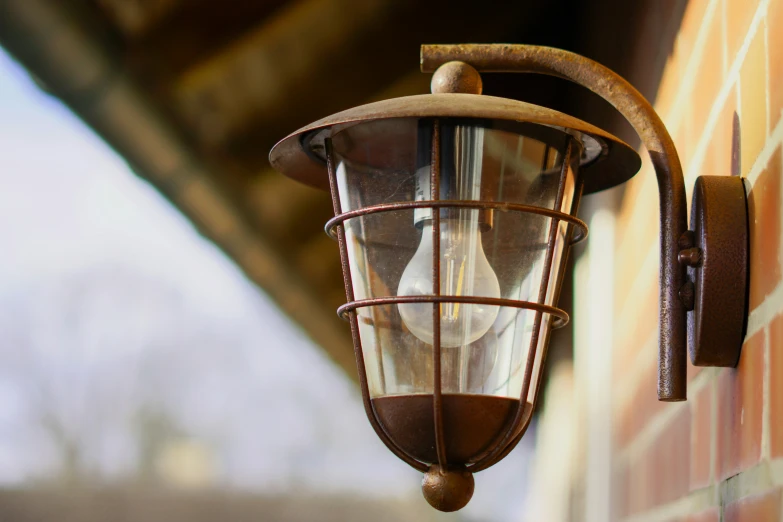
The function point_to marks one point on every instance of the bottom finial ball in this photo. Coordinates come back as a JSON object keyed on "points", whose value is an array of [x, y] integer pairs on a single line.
{"points": [[447, 490]]}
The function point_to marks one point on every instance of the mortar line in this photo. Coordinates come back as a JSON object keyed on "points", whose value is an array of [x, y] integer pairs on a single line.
{"points": [[694, 502], [760, 479], [765, 399]]}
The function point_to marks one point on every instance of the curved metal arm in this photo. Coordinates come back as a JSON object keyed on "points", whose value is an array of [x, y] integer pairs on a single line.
{"points": [[671, 185]]}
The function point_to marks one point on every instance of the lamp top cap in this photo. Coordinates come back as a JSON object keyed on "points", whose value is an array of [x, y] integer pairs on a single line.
{"points": [[613, 163]]}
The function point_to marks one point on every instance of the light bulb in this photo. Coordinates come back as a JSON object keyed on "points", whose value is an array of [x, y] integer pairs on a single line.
{"points": [[464, 271]]}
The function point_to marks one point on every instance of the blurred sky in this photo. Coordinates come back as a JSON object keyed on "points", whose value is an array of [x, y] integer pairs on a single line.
{"points": [[112, 307], [72, 213]]}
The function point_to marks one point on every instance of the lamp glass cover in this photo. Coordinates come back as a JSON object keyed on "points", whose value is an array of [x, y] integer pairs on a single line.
{"points": [[482, 253]]}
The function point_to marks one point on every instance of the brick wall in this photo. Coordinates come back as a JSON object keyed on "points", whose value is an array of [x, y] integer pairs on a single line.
{"points": [[718, 456]]}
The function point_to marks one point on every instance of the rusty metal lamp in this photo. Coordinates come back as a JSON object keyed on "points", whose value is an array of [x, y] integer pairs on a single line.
{"points": [[454, 214]]}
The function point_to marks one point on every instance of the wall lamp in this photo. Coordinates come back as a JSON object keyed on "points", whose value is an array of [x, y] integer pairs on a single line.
{"points": [[454, 215]]}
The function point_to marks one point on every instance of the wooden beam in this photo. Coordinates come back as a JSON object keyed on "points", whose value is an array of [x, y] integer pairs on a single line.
{"points": [[257, 77], [133, 18], [192, 34], [284, 207], [313, 60]]}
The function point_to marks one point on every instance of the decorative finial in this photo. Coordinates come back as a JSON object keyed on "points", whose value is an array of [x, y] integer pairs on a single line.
{"points": [[456, 77], [448, 490]]}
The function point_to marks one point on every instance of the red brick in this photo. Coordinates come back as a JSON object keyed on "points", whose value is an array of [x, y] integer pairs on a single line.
{"points": [[753, 94], [645, 321], [708, 82], [775, 49], [637, 235], [710, 515], [662, 473], [717, 157], [739, 15], [640, 483], [654, 493], [640, 233], [669, 86], [740, 404], [682, 134], [642, 407], [692, 371], [621, 428], [640, 326], [759, 508], [776, 386], [692, 20], [620, 493], [672, 458], [764, 215], [701, 438]]}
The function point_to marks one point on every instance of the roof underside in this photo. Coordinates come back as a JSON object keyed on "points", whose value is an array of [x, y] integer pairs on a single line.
{"points": [[194, 93]]}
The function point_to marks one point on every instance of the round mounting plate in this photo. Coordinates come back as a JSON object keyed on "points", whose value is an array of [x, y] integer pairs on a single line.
{"points": [[719, 219]]}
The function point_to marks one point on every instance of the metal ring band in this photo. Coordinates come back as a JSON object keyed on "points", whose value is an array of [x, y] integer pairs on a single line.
{"points": [[481, 205], [561, 317]]}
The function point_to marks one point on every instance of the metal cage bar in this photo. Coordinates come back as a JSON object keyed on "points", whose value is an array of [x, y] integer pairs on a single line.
{"points": [[580, 225], [561, 276], [561, 316], [511, 427], [437, 385], [357, 342]]}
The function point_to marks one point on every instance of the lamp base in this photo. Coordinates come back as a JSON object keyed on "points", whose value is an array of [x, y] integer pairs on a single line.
{"points": [[471, 423], [718, 271]]}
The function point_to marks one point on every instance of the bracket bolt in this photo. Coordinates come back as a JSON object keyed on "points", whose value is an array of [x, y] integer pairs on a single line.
{"points": [[688, 295], [690, 257]]}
